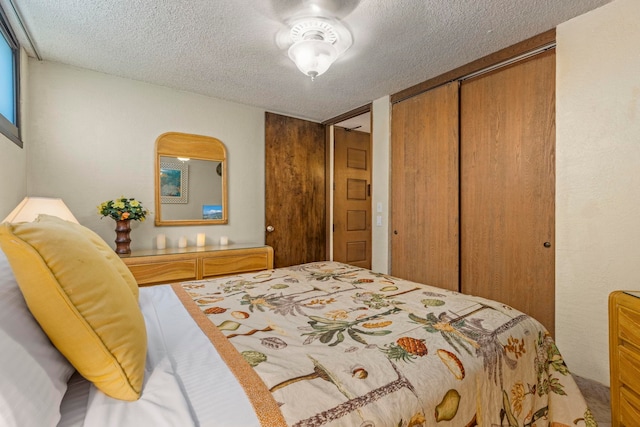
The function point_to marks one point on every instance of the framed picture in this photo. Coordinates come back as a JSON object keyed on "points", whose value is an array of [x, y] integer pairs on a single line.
{"points": [[211, 211], [174, 182]]}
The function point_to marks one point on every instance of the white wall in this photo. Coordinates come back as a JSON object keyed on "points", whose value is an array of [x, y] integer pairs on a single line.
{"points": [[381, 131], [13, 175], [598, 177], [91, 138]]}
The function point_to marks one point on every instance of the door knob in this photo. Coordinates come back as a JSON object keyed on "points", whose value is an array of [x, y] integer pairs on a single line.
{"points": [[547, 244], [270, 229]]}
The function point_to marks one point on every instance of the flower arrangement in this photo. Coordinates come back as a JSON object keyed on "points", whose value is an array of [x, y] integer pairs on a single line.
{"points": [[123, 208]]}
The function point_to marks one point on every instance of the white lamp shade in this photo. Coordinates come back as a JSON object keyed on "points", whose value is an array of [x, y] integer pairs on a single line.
{"points": [[30, 207], [313, 57]]}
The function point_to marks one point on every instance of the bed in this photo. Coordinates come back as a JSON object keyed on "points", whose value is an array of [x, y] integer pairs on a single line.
{"points": [[317, 344]]}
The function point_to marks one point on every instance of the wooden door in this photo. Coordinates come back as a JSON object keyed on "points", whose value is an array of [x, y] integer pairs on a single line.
{"points": [[508, 186], [295, 190], [424, 188], [352, 197]]}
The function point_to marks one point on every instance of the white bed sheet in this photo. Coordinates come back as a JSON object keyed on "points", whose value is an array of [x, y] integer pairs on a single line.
{"points": [[73, 408], [186, 381]]}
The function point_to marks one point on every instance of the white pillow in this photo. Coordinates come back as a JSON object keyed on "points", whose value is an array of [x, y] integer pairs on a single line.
{"points": [[34, 374]]}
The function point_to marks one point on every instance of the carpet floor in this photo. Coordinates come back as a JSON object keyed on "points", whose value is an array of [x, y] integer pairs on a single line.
{"points": [[598, 400]]}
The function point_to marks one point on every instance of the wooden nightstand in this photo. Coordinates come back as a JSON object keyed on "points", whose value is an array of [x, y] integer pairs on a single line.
{"points": [[157, 266], [624, 357]]}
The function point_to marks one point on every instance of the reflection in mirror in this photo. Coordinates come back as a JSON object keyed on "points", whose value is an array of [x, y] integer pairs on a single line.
{"points": [[200, 201], [190, 180]]}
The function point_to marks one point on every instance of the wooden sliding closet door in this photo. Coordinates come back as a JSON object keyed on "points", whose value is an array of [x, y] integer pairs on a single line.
{"points": [[424, 188], [508, 186]]}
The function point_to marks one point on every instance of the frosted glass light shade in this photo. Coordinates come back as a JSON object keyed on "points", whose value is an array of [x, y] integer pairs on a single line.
{"points": [[30, 207], [313, 57]]}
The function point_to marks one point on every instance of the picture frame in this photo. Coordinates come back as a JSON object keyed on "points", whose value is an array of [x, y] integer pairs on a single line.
{"points": [[174, 182], [211, 211]]}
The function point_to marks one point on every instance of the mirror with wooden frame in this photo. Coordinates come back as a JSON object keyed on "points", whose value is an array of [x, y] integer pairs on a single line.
{"points": [[190, 180]]}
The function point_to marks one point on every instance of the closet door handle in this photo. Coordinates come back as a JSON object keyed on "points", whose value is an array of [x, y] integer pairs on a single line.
{"points": [[547, 244]]}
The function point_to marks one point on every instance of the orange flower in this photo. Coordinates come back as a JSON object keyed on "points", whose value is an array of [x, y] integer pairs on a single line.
{"points": [[125, 215]]}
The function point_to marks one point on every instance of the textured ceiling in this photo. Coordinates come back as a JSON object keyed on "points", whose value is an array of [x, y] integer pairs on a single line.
{"points": [[237, 49]]}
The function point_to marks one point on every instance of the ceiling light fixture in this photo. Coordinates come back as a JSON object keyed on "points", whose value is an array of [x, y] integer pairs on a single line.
{"points": [[317, 43]]}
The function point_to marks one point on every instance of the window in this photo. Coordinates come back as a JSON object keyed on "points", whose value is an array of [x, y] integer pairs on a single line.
{"points": [[9, 82]]}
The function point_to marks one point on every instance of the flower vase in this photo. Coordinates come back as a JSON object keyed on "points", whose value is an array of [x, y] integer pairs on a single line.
{"points": [[123, 241]]}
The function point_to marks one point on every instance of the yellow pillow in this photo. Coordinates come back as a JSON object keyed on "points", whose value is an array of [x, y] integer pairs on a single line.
{"points": [[107, 252], [81, 300]]}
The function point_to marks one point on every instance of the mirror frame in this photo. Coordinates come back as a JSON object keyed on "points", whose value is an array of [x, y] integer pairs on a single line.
{"points": [[197, 147]]}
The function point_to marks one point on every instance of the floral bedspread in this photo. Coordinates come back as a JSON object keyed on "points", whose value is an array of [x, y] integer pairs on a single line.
{"points": [[340, 345]]}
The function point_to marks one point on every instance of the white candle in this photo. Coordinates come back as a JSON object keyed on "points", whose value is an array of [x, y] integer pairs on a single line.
{"points": [[200, 239], [224, 240], [182, 242], [161, 241]]}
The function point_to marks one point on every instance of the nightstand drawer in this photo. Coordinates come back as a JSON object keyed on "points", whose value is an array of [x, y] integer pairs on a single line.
{"points": [[234, 263], [628, 321], [629, 408], [629, 369], [164, 272], [624, 357]]}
